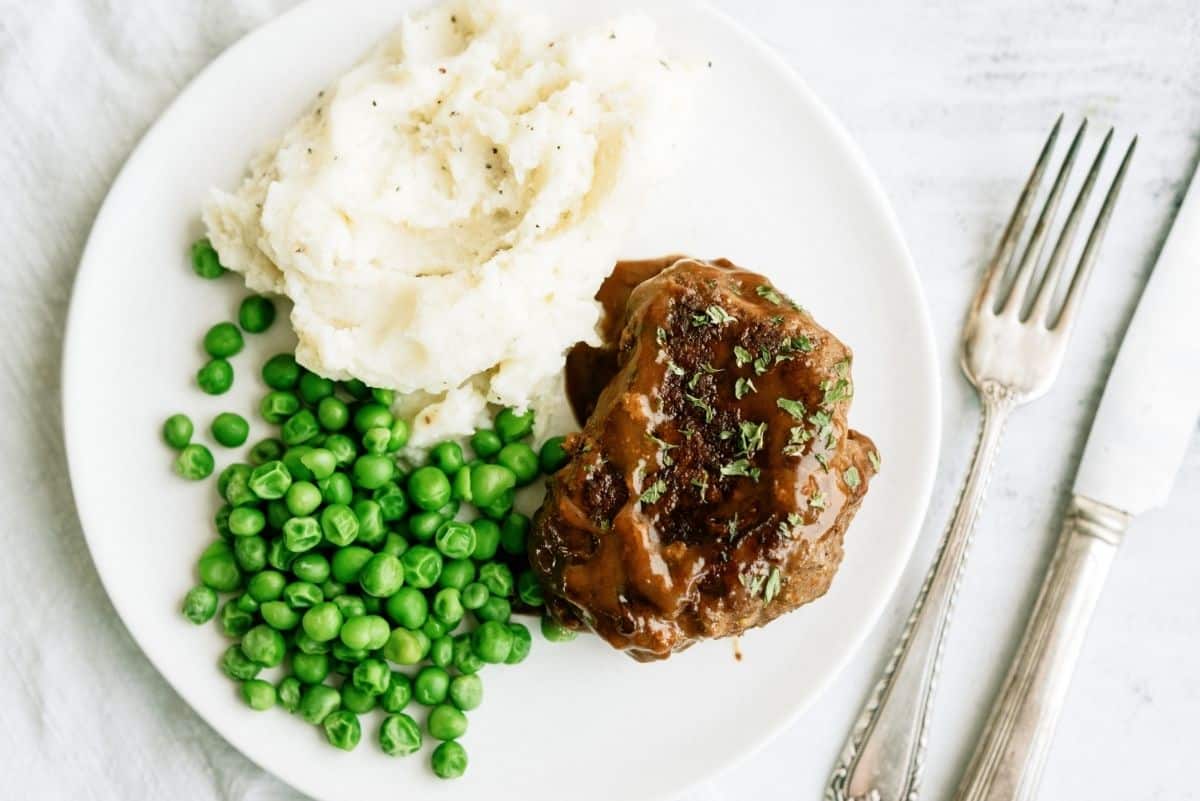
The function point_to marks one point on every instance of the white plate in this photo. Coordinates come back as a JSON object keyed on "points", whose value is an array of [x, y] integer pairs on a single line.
{"points": [[773, 182]]}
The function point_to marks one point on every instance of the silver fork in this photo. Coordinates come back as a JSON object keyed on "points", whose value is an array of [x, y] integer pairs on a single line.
{"points": [[1013, 345]]}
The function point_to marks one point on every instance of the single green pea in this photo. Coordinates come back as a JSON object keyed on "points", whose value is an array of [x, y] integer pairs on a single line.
{"points": [[336, 489], [314, 388], [424, 525], [382, 575], [372, 471], [219, 571], [404, 647], [492, 641], [398, 693], [350, 605], [449, 760], [455, 540], [266, 586], [384, 397], [279, 616], [320, 462], [447, 606], [529, 589], [340, 526], [355, 700], [447, 457], [497, 577], [498, 609], [489, 483], [221, 521], [270, 480], [205, 262], [393, 503], [399, 735], [512, 426], [372, 415], [554, 631], [333, 414], [177, 431], [348, 563], [281, 372], [408, 607], [256, 314], [431, 685], [486, 443], [311, 567], [215, 377], [371, 528], [200, 604], [466, 692], [422, 566], [400, 432], [307, 645], [522, 643], [500, 508], [433, 628], [195, 462], [223, 340], [311, 668], [293, 460], [246, 521], [264, 645], [299, 428], [323, 621], [376, 440], [236, 665], [441, 651], [288, 692], [474, 595], [250, 553], [372, 676], [302, 595], [521, 460], [233, 484], [301, 534], [278, 556], [318, 702], [429, 488], [266, 450], [487, 538], [343, 449], [277, 514], [457, 573], [235, 621], [465, 660], [446, 722], [553, 456], [247, 603], [460, 485], [332, 588], [303, 498], [357, 632]]}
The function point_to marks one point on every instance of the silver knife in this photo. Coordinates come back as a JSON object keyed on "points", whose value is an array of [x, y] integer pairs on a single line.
{"points": [[1138, 440]]}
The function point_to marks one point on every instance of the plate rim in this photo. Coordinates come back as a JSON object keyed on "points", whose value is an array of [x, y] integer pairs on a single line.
{"points": [[924, 345]]}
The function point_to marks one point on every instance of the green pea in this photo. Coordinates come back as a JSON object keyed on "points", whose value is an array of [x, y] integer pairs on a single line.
{"points": [[256, 314], [372, 471], [371, 529], [264, 645], [333, 588], [323, 621], [177, 431], [465, 660], [446, 722], [460, 485], [236, 665], [247, 603], [266, 450], [360, 632], [320, 462], [498, 578], [215, 377], [422, 566], [466, 692], [382, 575], [303, 498], [318, 702], [278, 615], [250, 553], [311, 567], [219, 571], [486, 443], [266, 586], [408, 607], [372, 415], [221, 521], [429, 488], [233, 484], [522, 642], [223, 340], [288, 692], [492, 642], [314, 388], [277, 514], [431, 685], [529, 589], [455, 540], [554, 631], [355, 700], [311, 668], [405, 647], [246, 521], [281, 372], [278, 406], [512, 426], [449, 760], [498, 609], [270, 480], [343, 449], [399, 735], [441, 651], [278, 556], [302, 595], [340, 526], [521, 460], [423, 525], [375, 440], [301, 534], [299, 428], [447, 457], [487, 538], [393, 503], [348, 563], [307, 645], [457, 573], [474, 595], [200, 604], [333, 414], [553, 456], [433, 628], [514, 533], [195, 462], [372, 676], [205, 262], [234, 621], [489, 483], [400, 433], [336, 490], [350, 606], [447, 606], [398, 693]]}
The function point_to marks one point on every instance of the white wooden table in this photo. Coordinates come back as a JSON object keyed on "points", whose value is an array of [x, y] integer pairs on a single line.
{"points": [[949, 100]]}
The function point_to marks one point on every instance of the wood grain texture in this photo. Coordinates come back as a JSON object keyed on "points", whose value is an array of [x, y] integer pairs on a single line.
{"points": [[949, 102]]}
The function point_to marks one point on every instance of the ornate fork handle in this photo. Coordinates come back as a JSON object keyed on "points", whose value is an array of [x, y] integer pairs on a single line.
{"points": [[882, 759]]}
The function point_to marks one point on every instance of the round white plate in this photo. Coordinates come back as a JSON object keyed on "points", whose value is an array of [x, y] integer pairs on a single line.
{"points": [[771, 181]]}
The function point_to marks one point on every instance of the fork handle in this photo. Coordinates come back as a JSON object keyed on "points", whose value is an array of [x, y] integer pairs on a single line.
{"points": [[1010, 756], [882, 759]]}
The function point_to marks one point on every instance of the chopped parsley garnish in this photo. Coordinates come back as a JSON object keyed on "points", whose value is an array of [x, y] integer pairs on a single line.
{"points": [[793, 407], [823, 460], [675, 368], [752, 436], [742, 356], [664, 450], [743, 387], [707, 367], [874, 458], [702, 405], [798, 435], [802, 344], [842, 368], [694, 381], [816, 500], [660, 336], [777, 320], [753, 582], [741, 467], [701, 483], [852, 478], [774, 584], [763, 362], [836, 391], [786, 529], [733, 526], [713, 315], [767, 292], [654, 492]]}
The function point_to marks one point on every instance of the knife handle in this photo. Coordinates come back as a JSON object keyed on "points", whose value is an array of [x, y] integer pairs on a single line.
{"points": [[1009, 758]]}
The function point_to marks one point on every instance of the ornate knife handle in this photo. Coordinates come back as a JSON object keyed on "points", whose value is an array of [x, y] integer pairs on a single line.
{"points": [[1008, 761]]}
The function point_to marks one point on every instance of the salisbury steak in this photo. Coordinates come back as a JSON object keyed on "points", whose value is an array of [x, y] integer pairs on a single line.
{"points": [[712, 483]]}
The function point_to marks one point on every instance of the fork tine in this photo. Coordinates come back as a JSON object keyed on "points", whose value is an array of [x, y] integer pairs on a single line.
{"points": [[1087, 260], [1052, 276], [1012, 232], [1017, 295]]}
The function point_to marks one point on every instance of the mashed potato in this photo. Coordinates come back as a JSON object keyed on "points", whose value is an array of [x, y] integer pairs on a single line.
{"points": [[444, 213]]}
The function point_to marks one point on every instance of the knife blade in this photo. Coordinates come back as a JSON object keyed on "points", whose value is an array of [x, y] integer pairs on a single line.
{"points": [[1151, 402]]}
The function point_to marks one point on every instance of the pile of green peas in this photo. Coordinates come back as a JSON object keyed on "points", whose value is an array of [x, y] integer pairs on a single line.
{"points": [[354, 578]]}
